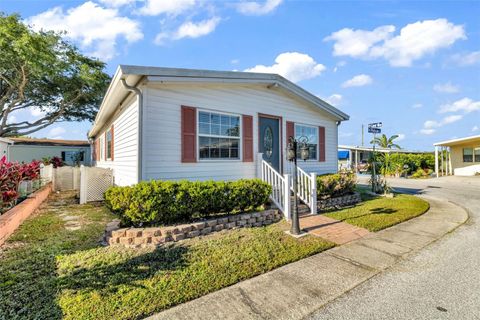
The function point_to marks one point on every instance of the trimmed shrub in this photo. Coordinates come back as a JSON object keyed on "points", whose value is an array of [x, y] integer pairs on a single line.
{"points": [[422, 173], [335, 185], [165, 202]]}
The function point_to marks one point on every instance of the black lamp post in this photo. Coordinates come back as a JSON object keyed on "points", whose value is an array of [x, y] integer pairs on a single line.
{"points": [[292, 157]]}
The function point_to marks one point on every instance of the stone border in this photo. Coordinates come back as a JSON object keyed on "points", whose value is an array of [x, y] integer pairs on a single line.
{"points": [[13, 218], [157, 236], [348, 200]]}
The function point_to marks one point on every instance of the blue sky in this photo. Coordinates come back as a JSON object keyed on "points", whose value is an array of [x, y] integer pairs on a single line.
{"points": [[415, 66]]}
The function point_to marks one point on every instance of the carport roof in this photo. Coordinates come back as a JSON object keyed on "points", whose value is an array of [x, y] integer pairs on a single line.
{"points": [[449, 143]]}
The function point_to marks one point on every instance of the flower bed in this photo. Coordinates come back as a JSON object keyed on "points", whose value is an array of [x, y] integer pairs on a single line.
{"points": [[155, 236], [335, 185]]}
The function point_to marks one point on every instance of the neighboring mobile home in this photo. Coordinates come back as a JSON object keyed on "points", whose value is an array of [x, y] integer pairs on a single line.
{"points": [[72, 152], [165, 123], [458, 156]]}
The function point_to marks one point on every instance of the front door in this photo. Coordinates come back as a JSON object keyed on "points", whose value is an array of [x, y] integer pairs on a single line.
{"points": [[269, 141]]}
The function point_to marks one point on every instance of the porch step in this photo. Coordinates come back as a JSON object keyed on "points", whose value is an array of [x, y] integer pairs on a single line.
{"points": [[303, 209]]}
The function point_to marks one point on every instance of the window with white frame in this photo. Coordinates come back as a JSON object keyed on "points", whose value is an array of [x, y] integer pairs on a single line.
{"points": [[218, 136], [109, 144], [467, 154], [309, 133], [102, 148], [476, 154]]}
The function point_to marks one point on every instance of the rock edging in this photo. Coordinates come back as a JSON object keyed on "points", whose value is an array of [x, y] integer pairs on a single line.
{"points": [[157, 236], [343, 201]]}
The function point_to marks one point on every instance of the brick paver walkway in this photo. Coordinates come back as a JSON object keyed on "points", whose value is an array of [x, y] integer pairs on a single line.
{"points": [[331, 229]]}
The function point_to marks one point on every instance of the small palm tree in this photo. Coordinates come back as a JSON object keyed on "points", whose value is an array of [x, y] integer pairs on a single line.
{"points": [[387, 143]]}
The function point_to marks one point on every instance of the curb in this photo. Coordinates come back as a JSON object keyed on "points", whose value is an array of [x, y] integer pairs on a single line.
{"points": [[297, 290]]}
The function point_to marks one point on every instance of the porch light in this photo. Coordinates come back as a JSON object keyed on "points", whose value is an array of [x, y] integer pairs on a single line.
{"points": [[304, 152], [291, 152]]}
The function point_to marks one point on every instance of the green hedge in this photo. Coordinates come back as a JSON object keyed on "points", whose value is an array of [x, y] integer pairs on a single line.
{"points": [[393, 163], [335, 185], [166, 202]]}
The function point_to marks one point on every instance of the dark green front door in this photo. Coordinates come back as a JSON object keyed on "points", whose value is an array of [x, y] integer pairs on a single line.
{"points": [[269, 143]]}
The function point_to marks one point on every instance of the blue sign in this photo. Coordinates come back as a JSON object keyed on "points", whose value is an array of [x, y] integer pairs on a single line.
{"points": [[374, 130]]}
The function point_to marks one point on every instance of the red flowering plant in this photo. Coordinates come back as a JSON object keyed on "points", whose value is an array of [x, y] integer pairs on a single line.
{"points": [[31, 171], [56, 161]]}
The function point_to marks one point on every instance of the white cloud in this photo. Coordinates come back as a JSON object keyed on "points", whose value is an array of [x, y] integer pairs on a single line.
{"points": [[446, 88], [189, 30], [414, 41], [234, 61], [466, 59], [56, 133], [117, 3], [254, 8], [417, 105], [428, 131], [401, 136], [335, 99], [294, 66], [169, 7], [36, 112], [358, 81], [430, 126], [466, 105], [475, 128], [357, 43], [96, 29]]}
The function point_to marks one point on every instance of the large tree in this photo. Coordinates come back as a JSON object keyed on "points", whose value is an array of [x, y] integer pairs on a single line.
{"points": [[39, 70]]}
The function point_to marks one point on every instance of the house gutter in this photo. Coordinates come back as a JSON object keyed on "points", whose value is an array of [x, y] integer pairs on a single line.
{"points": [[138, 92]]}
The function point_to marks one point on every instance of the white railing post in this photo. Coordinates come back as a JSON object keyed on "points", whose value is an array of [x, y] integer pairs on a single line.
{"points": [[313, 196], [286, 196], [83, 184], [259, 165]]}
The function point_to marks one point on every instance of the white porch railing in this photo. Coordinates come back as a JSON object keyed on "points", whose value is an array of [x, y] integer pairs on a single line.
{"points": [[307, 188], [280, 187]]}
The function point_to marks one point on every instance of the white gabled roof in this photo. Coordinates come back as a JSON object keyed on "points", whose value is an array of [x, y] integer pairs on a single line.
{"points": [[458, 141], [134, 74]]}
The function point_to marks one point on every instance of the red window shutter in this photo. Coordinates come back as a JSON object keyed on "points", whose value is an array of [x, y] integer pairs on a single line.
{"points": [[113, 139], [189, 134], [321, 144], [290, 130], [247, 137]]}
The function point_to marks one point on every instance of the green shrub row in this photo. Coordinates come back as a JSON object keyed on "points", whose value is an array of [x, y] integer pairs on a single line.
{"points": [[335, 185], [394, 163], [166, 202]]}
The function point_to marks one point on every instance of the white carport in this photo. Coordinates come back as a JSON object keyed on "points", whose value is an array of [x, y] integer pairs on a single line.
{"points": [[458, 156]]}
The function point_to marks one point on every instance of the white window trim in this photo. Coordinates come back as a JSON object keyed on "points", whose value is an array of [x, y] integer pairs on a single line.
{"points": [[102, 147], [240, 135], [475, 160], [106, 141], [318, 142]]}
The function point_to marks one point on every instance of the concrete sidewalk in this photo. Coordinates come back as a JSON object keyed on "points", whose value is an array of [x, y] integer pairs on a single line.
{"points": [[296, 290]]}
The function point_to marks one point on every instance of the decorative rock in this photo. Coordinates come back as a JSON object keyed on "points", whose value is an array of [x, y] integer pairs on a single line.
{"points": [[179, 236], [211, 223], [252, 220], [218, 227], [222, 220], [241, 223], [233, 218], [245, 216], [230, 225], [198, 225], [193, 234], [133, 232], [118, 233], [206, 230], [186, 229], [255, 214]]}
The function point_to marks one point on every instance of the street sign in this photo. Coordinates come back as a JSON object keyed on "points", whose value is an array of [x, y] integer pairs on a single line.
{"points": [[375, 125], [374, 130]]}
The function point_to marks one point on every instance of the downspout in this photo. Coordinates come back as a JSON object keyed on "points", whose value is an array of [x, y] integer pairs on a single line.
{"points": [[138, 92]]}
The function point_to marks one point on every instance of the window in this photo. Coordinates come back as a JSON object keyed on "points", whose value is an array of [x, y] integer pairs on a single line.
{"points": [[311, 133], [109, 144], [73, 157], [218, 135], [102, 149], [476, 153], [467, 154]]}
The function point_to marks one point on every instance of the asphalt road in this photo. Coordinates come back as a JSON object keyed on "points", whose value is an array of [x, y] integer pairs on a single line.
{"points": [[442, 281]]}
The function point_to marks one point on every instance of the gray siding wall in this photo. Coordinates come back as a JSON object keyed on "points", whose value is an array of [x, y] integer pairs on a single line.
{"points": [[27, 153]]}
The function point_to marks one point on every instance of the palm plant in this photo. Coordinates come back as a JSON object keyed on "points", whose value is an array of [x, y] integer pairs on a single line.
{"points": [[387, 143]]}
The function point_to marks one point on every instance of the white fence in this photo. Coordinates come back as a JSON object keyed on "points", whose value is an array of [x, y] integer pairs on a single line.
{"points": [[91, 182], [94, 182], [280, 187], [307, 188]]}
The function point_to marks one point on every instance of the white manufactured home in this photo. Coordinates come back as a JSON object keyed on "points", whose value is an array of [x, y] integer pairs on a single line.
{"points": [[166, 123]]}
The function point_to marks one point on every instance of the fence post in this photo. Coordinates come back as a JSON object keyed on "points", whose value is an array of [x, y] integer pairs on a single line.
{"points": [[286, 196], [83, 184], [313, 196], [259, 165]]}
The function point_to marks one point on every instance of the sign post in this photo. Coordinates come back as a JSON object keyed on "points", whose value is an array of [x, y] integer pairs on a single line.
{"points": [[374, 128]]}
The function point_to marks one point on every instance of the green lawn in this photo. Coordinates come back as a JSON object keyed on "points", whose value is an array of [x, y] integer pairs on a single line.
{"points": [[48, 272], [377, 213]]}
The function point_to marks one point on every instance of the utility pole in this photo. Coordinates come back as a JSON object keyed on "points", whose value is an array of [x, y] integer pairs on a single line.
{"points": [[362, 134]]}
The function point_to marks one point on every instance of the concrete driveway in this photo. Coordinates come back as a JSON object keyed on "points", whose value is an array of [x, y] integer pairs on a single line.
{"points": [[442, 281]]}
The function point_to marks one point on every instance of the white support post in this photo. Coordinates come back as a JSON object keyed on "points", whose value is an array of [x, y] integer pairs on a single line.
{"points": [[286, 200], [436, 161], [450, 160], [356, 161], [259, 165], [313, 196], [83, 184]]}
